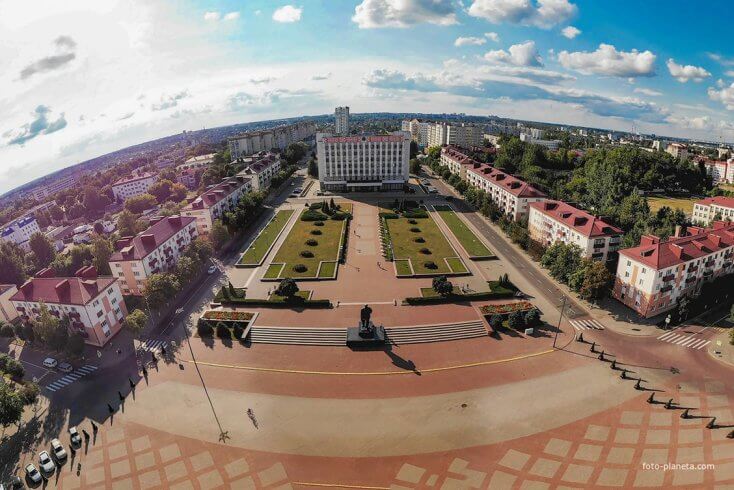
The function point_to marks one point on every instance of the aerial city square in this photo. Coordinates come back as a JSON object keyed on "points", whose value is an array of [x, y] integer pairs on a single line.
{"points": [[366, 244]]}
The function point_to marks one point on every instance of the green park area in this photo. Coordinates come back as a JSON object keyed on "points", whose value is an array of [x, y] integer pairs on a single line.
{"points": [[473, 245], [684, 204], [313, 239], [259, 248]]}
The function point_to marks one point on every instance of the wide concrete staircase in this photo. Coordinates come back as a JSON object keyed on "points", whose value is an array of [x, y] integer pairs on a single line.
{"points": [[338, 336]]}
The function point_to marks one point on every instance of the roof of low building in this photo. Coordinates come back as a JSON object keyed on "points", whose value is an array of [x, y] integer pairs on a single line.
{"points": [[579, 220], [77, 290], [133, 178], [142, 244], [723, 201]]}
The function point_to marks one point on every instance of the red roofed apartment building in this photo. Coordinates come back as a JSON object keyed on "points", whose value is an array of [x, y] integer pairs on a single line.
{"points": [[216, 201], [509, 193], [713, 208], [154, 250], [555, 221], [654, 275], [133, 185], [93, 304]]}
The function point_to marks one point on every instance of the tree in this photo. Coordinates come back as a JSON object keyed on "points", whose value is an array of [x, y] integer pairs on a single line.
{"points": [[60, 335], [187, 269], [495, 321], [43, 250], [161, 190], [56, 213], [442, 286], [28, 393], [287, 288], [219, 234], [516, 320], [76, 210], [11, 263], [138, 204], [75, 345], [11, 405], [415, 166], [313, 168], [45, 325], [200, 249], [159, 289], [178, 192], [135, 322], [101, 249], [127, 223], [294, 152], [597, 281], [94, 202], [532, 318], [167, 174]]}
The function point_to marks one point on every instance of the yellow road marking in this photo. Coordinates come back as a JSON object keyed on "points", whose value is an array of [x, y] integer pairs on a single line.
{"points": [[336, 485], [371, 373]]}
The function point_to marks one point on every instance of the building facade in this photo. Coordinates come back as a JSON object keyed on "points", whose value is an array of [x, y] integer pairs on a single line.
{"points": [[555, 221], [262, 169], [717, 208], [266, 140], [341, 121], [190, 177], [462, 135], [20, 231], [720, 172], [133, 185], [8, 313], [93, 303], [677, 150], [363, 163], [197, 162], [653, 276], [418, 131], [216, 201], [45, 191]]}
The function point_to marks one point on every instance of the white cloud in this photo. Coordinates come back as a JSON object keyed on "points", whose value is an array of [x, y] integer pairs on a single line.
{"points": [[721, 59], [321, 76], [212, 16], [696, 122], [262, 80], [725, 96], [287, 14], [543, 13], [217, 16], [647, 91], [570, 32], [232, 16], [493, 36], [688, 72], [168, 101], [372, 14], [65, 53], [729, 73], [38, 126], [469, 41], [524, 54], [606, 60]]}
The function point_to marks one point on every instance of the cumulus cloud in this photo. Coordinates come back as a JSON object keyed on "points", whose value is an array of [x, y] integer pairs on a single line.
{"points": [[725, 95], [528, 74], [606, 60], [469, 41], [65, 53], [168, 101], [647, 91], [231, 16], [321, 76], [493, 36], [217, 16], [688, 72], [212, 16], [524, 54], [698, 122], [126, 116], [287, 14], [247, 101], [540, 13], [570, 32], [38, 126], [262, 80], [372, 14], [721, 59]]}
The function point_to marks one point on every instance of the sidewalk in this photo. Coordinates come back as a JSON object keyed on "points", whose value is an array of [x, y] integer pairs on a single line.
{"points": [[724, 352]]}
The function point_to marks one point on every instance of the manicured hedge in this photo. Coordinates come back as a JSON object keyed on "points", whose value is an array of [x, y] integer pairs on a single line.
{"points": [[452, 298], [279, 303]]}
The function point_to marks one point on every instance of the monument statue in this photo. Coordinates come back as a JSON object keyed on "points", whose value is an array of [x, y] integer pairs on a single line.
{"points": [[365, 325]]}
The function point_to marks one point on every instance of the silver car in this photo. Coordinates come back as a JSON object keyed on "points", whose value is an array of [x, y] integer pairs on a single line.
{"points": [[46, 463], [58, 450], [33, 474], [74, 437]]}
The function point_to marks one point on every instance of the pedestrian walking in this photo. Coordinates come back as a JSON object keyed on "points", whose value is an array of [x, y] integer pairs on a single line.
{"points": [[163, 350], [86, 434], [132, 384], [153, 357], [145, 372], [94, 427], [110, 409], [119, 395]]}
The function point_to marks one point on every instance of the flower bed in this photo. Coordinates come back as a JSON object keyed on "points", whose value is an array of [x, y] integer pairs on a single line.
{"points": [[506, 308], [228, 315]]}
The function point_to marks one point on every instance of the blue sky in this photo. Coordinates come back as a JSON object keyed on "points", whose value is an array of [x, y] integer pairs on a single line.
{"points": [[79, 78]]}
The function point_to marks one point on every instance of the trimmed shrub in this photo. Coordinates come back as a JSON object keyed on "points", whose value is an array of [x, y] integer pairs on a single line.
{"points": [[412, 222], [11, 366], [306, 254], [238, 331], [300, 268], [7, 331], [316, 232], [430, 265], [312, 215], [223, 332], [419, 239], [425, 251], [318, 223], [495, 321], [516, 320], [204, 329], [415, 229], [532, 317], [386, 215], [311, 242]]}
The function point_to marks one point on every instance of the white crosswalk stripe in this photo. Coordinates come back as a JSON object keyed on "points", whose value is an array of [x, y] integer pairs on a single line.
{"points": [[586, 324], [71, 377], [152, 345], [684, 340]]}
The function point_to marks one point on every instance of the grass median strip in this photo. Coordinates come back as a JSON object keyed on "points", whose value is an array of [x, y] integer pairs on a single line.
{"points": [[466, 237], [260, 247]]}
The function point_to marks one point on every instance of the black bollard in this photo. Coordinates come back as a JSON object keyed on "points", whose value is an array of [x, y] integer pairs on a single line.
{"points": [[86, 434], [623, 375], [651, 398], [145, 372], [601, 356], [593, 347], [130, 381], [712, 423], [685, 415], [94, 428], [163, 351], [730, 435], [614, 364], [580, 338], [153, 357], [637, 384], [669, 404]]}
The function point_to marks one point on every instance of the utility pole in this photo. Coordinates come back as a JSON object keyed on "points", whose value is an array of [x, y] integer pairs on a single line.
{"points": [[563, 307]]}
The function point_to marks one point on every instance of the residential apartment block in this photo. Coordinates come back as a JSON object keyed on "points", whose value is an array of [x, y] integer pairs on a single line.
{"points": [[341, 121], [418, 131], [717, 208], [654, 275], [20, 231], [190, 177], [216, 201], [363, 163], [509, 193], [8, 313], [133, 185], [45, 191], [462, 135], [677, 150], [196, 162], [266, 140], [555, 221], [93, 304], [154, 250], [261, 170], [720, 172]]}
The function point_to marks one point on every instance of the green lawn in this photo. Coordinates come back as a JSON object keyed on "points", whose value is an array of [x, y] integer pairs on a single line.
{"points": [[327, 248], [273, 271], [403, 268], [456, 264], [328, 269], [405, 247], [257, 250], [473, 245], [657, 202]]}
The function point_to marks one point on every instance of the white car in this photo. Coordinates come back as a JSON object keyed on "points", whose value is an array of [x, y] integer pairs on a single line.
{"points": [[58, 450], [50, 362], [33, 474], [74, 437], [46, 463], [179, 311], [212, 269]]}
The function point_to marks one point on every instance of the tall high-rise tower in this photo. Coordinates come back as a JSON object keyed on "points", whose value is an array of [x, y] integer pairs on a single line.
{"points": [[341, 120]]}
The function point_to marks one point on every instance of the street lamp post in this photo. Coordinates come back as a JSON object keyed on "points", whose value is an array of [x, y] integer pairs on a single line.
{"points": [[563, 306]]}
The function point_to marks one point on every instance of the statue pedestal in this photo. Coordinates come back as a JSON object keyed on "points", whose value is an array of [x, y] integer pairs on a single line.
{"points": [[365, 338]]}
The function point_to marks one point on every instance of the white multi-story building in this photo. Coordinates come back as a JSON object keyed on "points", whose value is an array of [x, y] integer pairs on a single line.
{"points": [[133, 185], [717, 208], [363, 163], [216, 201], [262, 169], [556, 221], [275, 138], [653, 276], [677, 150], [154, 250], [549, 144], [8, 313], [197, 162], [93, 304], [438, 134], [511, 195], [341, 120], [418, 131], [45, 191], [463, 135], [720, 172], [20, 231]]}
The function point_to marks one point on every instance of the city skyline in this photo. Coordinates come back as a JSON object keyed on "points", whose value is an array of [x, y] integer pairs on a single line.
{"points": [[80, 80]]}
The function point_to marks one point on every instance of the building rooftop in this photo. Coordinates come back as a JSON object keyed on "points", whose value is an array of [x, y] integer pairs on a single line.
{"points": [[77, 290], [677, 250], [139, 246], [577, 219], [218, 192], [19, 223], [201, 158], [511, 184], [133, 178], [723, 201]]}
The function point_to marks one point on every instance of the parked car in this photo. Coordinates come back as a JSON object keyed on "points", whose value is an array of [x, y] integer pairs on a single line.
{"points": [[46, 463], [58, 450], [32, 473], [65, 367], [50, 362], [74, 437], [212, 269], [15, 483]]}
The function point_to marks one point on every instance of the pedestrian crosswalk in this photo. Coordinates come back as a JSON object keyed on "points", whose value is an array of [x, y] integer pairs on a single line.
{"points": [[71, 377], [152, 345], [586, 324], [690, 341]]}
